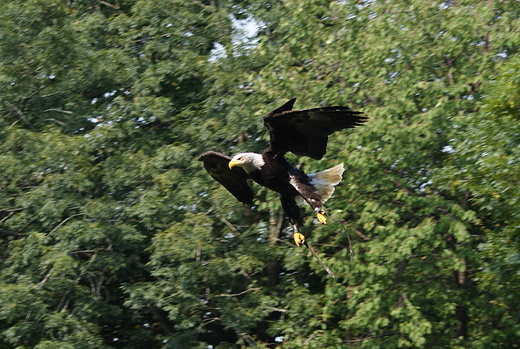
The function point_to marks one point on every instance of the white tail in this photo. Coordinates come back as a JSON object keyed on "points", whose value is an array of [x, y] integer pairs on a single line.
{"points": [[324, 182]]}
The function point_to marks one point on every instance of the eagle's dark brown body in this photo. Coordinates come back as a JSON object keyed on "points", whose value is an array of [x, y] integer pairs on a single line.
{"points": [[274, 174]]}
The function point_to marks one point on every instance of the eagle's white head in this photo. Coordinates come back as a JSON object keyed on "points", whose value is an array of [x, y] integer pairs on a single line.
{"points": [[250, 162]]}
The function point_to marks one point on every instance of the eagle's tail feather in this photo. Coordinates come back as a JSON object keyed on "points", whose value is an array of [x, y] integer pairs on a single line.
{"points": [[325, 181]]}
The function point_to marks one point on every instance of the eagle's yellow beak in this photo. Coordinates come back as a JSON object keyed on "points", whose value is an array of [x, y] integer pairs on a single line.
{"points": [[234, 163]]}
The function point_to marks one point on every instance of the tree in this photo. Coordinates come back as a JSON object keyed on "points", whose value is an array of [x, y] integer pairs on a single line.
{"points": [[112, 235], [417, 69], [93, 150], [484, 167]]}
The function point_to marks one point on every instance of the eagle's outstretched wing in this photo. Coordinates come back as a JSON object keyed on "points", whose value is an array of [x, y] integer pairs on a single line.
{"points": [[305, 132], [234, 180]]}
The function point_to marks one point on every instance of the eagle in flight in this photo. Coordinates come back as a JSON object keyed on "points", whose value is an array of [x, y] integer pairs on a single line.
{"points": [[302, 132]]}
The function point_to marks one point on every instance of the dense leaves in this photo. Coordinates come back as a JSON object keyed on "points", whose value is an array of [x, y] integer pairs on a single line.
{"points": [[112, 234]]}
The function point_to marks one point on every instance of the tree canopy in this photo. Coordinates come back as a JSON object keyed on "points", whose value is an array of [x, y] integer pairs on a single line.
{"points": [[112, 235]]}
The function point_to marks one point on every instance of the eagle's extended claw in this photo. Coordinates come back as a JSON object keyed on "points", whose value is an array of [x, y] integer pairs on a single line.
{"points": [[299, 239], [321, 217]]}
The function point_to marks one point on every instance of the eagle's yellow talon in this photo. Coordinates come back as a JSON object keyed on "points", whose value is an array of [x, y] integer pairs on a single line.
{"points": [[299, 239], [321, 217]]}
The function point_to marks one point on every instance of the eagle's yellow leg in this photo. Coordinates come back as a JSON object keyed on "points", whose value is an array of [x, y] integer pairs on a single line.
{"points": [[321, 216], [299, 239]]}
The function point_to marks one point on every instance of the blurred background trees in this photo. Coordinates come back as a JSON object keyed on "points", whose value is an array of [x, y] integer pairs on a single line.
{"points": [[113, 236]]}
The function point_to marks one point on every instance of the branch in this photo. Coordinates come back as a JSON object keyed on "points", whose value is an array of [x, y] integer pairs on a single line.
{"points": [[399, 185], [366, 238], [84, 251], [59, 110], [238, 294], [41, 283], [364, 339], [17, 209], [208, 321], [231, 226], [6, 217], [116, 6], [23, 118], [63, 222], [13, 233], [277, 309], [56, 121], [308, 340]]}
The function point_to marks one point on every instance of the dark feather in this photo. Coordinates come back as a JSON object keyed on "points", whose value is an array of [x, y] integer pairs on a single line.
{"points": [[287, 106], [292, 210], [305, 132], [235, 180]]}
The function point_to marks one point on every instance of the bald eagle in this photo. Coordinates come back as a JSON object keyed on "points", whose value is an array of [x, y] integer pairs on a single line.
{"points": [[302, 132]]}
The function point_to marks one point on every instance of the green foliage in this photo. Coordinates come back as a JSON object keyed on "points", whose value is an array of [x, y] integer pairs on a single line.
{"points": [[113, 236], [485, 167]]}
